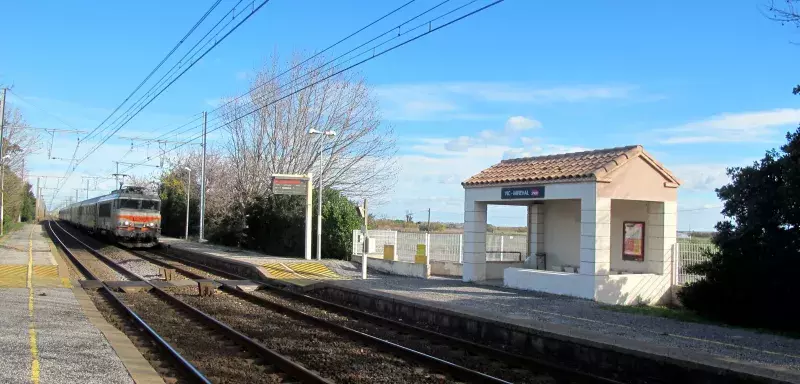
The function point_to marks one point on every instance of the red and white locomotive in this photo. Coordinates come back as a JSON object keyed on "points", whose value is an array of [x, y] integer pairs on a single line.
{"points": [[128, 216]]}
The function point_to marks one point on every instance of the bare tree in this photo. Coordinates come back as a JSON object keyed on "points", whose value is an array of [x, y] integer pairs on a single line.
{"points": [[220, 197], [274, 138], [785, 12], [19, 141]]}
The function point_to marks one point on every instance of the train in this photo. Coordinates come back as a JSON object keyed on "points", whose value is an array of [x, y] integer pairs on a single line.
{"points": [[128, 216]]}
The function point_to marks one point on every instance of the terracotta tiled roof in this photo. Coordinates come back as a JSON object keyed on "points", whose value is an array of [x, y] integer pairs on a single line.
{"points": [[577, 166]]}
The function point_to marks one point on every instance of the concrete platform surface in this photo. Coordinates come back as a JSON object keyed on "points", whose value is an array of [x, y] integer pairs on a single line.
{"points": [[45, 336], [749, 347]]}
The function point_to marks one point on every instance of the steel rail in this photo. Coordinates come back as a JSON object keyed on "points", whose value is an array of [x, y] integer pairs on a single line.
{"points": [[183, 364], [444, 365], [554, 369], [283, 363]]}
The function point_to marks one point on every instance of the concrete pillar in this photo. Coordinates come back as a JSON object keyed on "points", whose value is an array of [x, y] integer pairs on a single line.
{"points": [[474, 241], [660, 236], [535, 233], [595, 236]]}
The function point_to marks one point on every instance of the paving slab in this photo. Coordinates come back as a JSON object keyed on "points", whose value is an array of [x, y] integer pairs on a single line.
{"points": [[760, 349], [45, 336]]}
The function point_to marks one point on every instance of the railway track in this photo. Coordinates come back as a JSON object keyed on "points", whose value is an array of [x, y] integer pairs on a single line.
{"points": [[153, 347], [475, 356], [230, 355], [458, 357]]}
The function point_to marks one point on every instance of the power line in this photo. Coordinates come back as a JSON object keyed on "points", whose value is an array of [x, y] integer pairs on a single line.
{"points": [[430, 30], [370, 49], [164, 88], [213, 6], [327, 49], [122, 124]]}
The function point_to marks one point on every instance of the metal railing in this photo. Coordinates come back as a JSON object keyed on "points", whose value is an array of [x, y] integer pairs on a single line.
{"points": [[690, 252], [441, 246]]}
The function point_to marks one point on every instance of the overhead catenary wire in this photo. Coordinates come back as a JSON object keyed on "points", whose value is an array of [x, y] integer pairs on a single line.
{"points": [[368, 50], [374, 56], [178, 64], [157, 67], [122, 124], [217, 42], [326, 49], [365, 51]]}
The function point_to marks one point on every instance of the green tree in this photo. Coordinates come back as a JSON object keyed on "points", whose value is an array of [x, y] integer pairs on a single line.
{"points": [[750, 279], [172, 192], [339, 219]]}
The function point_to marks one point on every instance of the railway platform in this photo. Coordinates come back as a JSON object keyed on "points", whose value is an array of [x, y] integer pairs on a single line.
{"points": [[543, 322], [50, 331]]}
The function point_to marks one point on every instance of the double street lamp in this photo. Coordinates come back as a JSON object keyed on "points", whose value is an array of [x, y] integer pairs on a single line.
{"points": [[322, 134]]}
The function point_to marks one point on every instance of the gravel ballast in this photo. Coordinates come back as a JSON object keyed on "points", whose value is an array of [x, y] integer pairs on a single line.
{"points": [[334, 356], [219, 359], [480, 362]]}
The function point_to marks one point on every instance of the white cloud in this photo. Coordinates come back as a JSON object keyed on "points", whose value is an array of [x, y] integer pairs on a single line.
{"points": [[513, 127], [701, 177], [732, 127], [214, 103], [521, 123], [459, 144], [459, 100]]}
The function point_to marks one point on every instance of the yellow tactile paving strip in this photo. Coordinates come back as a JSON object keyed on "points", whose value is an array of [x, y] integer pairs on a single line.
{"points": [[43, 276], [279, 271], [313, 271], [300, 271]]}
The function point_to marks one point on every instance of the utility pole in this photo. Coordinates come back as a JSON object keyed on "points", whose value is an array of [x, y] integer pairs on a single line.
{"points": [[366, 243], [203, 182], [36, 207], [22, 183], [428, 228], [2, 159], [188, 190], [87, 189]]}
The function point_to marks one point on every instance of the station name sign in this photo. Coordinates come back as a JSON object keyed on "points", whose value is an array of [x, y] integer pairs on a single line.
{"points": [[289, 185], [536, 192]]}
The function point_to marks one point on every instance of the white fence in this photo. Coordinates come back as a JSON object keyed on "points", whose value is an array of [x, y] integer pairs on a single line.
{"points": [[690, 253], [442, 246]]}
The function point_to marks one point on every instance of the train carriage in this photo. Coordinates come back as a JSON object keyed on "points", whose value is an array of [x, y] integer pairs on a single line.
{"points": [[128, 216]]}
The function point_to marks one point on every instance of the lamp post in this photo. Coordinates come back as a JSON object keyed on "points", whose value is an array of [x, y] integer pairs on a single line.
{"points": [[322, 134], [188, 189]]}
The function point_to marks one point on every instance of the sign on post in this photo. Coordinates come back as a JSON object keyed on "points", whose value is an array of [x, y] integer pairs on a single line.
{"points": [[297, 185], [533, 192], [289, 185]]}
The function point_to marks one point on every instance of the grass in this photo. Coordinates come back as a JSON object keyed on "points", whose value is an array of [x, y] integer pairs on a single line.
{"points": [[12, 227], [682, 314], [668, 312]]}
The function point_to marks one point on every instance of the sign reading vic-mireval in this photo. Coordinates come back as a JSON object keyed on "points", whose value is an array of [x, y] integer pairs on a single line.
{"points": [[522, 192]]}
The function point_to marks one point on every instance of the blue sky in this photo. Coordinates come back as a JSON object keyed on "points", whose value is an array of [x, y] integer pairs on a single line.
{"points": [[702, 85]]}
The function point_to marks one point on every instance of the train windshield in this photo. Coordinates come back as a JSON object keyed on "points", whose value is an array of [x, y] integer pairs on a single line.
{"points": [[139, 204], [129, 203], [151, 204]]}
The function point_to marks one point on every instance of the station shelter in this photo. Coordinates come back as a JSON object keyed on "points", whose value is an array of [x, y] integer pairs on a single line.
{"points": [[601, 224]]}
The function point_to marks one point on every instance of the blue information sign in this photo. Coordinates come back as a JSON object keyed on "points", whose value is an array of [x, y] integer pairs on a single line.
{"points": [[522, 192]]}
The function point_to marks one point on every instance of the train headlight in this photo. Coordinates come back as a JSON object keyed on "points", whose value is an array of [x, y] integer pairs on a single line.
{"points": [[126, 223]]}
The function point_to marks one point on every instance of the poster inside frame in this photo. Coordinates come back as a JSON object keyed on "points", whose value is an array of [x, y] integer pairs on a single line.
{"points": [[633, 240]]}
